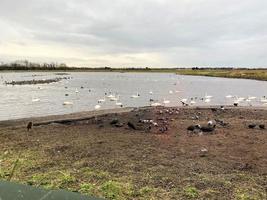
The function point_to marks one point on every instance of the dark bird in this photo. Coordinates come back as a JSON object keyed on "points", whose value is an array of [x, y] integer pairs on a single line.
{"points": [[251, 126], [262, 126], [213, 109], [193, 127], [29, 126], [131, 125], [235, 104], [207, 128]]}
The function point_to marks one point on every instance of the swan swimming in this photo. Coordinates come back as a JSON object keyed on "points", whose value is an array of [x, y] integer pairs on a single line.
{"points": [[35, 100], [67, 103], [101, 100], [97, 107], [166, 101], [155, 104]]}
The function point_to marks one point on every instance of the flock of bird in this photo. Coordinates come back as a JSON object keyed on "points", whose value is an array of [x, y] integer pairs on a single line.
{"points": [[114, 97]]}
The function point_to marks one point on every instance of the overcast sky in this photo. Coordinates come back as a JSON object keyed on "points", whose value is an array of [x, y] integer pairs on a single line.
{"points": [[126, 33]]}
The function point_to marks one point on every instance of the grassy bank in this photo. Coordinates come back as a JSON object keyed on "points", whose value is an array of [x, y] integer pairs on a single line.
{"points": [[257, 74]]}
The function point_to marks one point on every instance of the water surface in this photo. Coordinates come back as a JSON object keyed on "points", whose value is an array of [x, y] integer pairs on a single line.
{"points": [[21, 101]]}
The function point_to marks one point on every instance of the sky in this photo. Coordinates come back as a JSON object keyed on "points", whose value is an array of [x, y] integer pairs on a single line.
{"points": [[135, 33]]}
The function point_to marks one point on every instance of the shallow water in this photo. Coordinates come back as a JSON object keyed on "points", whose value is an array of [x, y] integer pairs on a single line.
{"points": [[18, 101]]}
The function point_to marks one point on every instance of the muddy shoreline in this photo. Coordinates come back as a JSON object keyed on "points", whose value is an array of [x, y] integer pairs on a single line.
{"points": [[144, 153]]}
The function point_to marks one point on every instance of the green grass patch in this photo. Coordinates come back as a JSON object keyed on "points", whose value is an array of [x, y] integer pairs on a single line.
{"points": [[191, 192]]}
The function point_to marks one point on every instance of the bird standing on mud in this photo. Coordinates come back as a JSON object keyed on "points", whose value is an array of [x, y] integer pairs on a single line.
{"points": [[29, 126]]}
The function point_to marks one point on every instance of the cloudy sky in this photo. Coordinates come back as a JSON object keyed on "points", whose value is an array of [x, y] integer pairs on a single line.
{"points": [[126, 33]]}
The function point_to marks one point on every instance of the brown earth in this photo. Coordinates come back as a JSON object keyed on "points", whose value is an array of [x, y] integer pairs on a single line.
{"points": [[86, 153]]}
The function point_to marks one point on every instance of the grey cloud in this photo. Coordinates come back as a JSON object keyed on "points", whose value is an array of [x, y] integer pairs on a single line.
{"points": [[185, 32]]}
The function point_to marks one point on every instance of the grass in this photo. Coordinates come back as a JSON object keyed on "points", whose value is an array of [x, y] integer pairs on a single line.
{"points": [[191, 192], [257, 74], [33, 167], [99, 183]]}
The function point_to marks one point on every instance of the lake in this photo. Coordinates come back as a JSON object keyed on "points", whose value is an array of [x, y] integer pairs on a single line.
{"points": [[83, 90]]}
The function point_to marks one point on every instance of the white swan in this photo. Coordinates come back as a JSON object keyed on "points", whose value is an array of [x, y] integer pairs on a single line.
{"points": [[101, 100], [111, 96], [67, 103], [166, 101], [192, 102], [135, 96], [208, 96], [207, 100], [97, 107], [118, 103], [35, 100], [155, 104], [252, 97]]}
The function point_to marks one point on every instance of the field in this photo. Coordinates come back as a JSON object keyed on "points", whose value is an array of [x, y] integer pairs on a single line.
{"points": [[257, 74], [90, 155]]}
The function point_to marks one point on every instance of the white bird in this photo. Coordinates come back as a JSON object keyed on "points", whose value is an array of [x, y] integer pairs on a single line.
{"points": [[67, 103], [192, 102], [114, 98], [171, 92], [252, 97], [110, 96], [155, 104], [101, 100], [240, 99], [35, 100], [97, 107], [207, 100], [208, 96], [166, 101], [76, 90], [150, 92], [263, 100], [135, 96], [118, 103]]}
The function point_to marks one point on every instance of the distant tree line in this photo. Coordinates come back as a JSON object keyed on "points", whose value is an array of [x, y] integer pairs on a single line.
{"points": [[26, 65]]}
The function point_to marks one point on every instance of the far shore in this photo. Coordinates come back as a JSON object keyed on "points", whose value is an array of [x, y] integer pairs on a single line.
{"points": [[241, 73]]}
